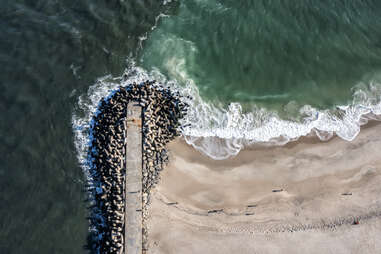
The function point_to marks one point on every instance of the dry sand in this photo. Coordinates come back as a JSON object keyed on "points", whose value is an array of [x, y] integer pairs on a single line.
{"points": [[207, 206]]}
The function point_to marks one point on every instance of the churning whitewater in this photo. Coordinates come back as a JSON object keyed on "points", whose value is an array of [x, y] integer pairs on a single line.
{"points": [[222, 132]]}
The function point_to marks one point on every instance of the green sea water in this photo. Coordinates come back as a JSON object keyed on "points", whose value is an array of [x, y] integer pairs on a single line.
{"points": [[269, 53]]}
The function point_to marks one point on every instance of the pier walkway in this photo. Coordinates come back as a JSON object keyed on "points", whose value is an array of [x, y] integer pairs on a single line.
{"points": [[133, 204]]}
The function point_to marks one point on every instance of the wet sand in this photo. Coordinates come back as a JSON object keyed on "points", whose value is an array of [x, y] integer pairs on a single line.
{"points": [[305, 197]]}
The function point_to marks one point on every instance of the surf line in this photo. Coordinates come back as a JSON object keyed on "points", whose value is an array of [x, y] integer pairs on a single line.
{"points": [[126, 153]]}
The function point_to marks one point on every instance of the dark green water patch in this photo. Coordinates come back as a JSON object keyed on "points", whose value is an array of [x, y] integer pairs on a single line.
{"points": [[50, 53]]}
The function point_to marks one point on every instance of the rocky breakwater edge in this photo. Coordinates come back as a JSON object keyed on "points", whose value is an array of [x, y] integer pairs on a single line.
{"points": [[162, 110]]}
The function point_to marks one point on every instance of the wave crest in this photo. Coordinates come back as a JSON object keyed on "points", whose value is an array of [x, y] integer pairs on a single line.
{"points": [[221, 132]]}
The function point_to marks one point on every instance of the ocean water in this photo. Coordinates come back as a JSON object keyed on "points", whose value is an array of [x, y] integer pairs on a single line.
{"points": [[262, 72], [269, 53], [270, 71], [51, 52]]}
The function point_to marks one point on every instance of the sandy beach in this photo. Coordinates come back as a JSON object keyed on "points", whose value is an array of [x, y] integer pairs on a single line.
{"points": [[306, 197]]}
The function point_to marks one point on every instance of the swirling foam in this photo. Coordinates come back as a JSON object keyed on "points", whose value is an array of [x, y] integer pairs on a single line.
{"points": [[222, 132]]}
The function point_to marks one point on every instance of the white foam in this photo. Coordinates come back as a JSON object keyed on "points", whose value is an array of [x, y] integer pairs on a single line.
{"points": [[222, 132], [244, 129]]}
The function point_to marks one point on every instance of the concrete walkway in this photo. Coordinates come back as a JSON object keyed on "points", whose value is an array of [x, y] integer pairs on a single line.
{"points": [[133, 204]]}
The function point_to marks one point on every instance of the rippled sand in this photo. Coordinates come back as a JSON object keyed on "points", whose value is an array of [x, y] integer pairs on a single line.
{"points": [[305, 197]]}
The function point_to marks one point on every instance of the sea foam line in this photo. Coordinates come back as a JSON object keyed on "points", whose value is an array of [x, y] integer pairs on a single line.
{"points": [[222, 132]]}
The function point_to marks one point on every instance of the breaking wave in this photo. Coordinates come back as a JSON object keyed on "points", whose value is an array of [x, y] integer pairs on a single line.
{"points": [[221, 132]]}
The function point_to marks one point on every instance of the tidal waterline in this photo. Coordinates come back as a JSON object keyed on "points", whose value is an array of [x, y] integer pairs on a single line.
{"points": [[51, 52], [269, 53]]}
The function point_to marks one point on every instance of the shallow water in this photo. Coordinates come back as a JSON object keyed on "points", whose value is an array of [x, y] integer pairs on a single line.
{"points": [[269, 53]]}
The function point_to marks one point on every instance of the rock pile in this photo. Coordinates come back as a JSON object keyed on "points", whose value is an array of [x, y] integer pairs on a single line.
{"points": [[162, 109]]}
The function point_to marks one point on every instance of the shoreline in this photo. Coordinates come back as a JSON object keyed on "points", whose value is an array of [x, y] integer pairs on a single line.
{"points": [[309, 187], [367, 121]]}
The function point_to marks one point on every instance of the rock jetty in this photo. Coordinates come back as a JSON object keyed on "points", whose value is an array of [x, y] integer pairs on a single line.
{"points": [[162, 109]]}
